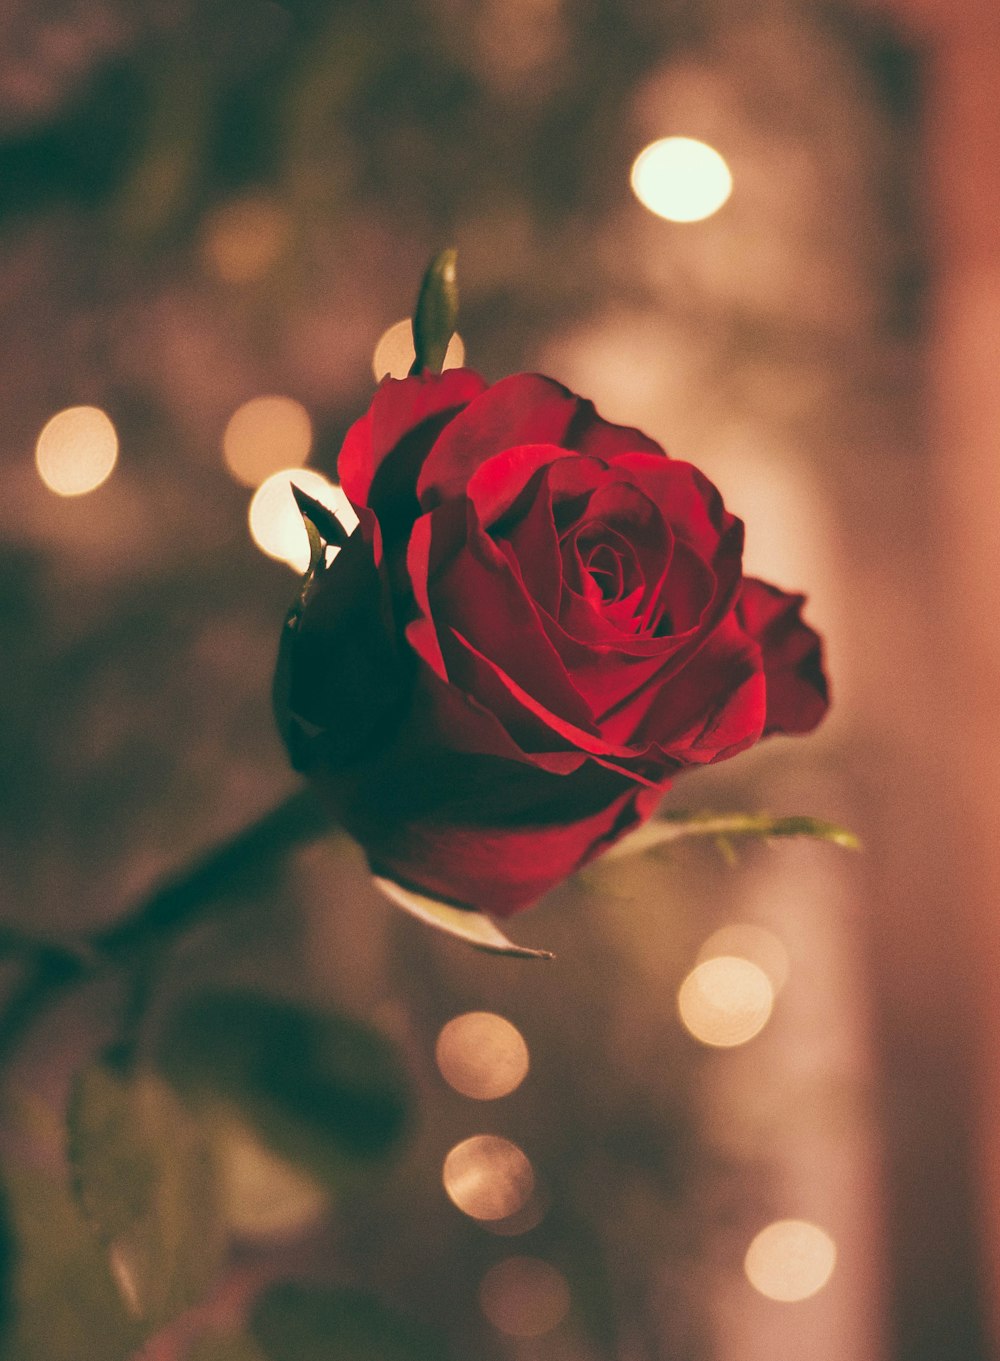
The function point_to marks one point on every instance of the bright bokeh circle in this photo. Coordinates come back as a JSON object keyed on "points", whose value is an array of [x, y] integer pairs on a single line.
{"points": [[524, 1296], [681, 179], [76, 450], [265, 435], [747, 940], [482, 1055], [488, 1177], [790, 1260], [725, 1001]]}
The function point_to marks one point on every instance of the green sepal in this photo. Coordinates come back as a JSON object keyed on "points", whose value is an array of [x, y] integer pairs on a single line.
{"points": [[322, 528], [322, 525], [436, 313]]}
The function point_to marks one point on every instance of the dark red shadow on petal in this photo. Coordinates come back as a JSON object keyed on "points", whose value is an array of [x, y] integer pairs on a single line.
{"points": [[798, 693], [503, 867], [398, 410]]}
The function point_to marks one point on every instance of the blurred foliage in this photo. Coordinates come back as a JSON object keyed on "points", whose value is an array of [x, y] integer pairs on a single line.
{"points": [[64, 1290], [305, 1323], [8, 1263], [226, 1347], [321, 1090], [145, 1180]]}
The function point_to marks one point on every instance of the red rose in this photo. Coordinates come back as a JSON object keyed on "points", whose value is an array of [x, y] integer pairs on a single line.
{"points": [[539, 621]]}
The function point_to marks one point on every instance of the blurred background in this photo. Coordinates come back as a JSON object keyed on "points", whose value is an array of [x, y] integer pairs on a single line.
{"points": [[749, 1113]]}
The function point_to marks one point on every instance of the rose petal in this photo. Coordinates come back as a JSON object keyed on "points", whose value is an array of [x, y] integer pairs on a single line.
{"points": [[685, 594], [690, 504], [534, 727], [797, 691], [712, 708], [500, 481], [472, 730], [472, 592], [504, 868], [532, 548], [525, 408], [402, 409]]}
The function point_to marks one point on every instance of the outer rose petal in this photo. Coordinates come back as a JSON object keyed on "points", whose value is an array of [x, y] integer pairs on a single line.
{"points": [[713, 707], [500, 866], [797, 691], [399, 409], [523, 409], [500, 870]]}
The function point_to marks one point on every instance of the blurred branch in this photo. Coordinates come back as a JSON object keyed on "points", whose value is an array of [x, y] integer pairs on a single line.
{"points": [[212, 881]]}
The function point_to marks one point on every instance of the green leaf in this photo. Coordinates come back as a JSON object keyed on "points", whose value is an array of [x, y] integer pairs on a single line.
{"points": [[473, 927], [726, 827], [436, 313], [66, 1303], [295, 1322], [145, 1180], [321, 1090]]}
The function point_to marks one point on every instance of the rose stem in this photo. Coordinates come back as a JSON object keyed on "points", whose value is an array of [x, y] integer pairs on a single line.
{"points": [[212, 879]]}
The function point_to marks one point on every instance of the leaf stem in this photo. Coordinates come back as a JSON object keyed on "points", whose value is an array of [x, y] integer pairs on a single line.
{"points": [[683, 826]]}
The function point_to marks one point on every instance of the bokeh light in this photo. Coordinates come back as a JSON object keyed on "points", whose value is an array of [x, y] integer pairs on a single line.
{"points": [[790, 1260], [725, 1001], [264, 436], [482, 1055], [244, 238], [528, 1217], [275, 523], [76, 450], [488, 1177], [681, 179], [394, 352], [524, 1296], [746, 940]]}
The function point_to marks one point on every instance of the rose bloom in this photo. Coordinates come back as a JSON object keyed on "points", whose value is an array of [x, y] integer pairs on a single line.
{"points": [[540, 620]]}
